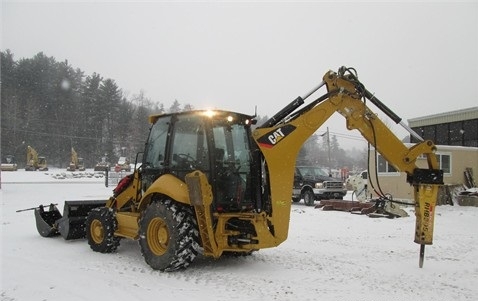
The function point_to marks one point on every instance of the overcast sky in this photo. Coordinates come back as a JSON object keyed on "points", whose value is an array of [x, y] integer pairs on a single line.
{"points": [[418, 58]]}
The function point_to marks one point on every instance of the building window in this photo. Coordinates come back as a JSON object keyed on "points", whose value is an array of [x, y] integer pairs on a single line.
{"points": [[444, 162], [429, 133], [384, 166], [470, 132], [442, 134], [456, 133]]}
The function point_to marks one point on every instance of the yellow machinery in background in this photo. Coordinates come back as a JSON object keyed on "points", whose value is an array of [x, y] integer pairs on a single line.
{"points": [[76, 163], [35, 162]]}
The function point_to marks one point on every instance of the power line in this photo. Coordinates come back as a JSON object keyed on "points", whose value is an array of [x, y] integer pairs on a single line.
{"points": [[347, 136], [350, 137], [52, 135]]}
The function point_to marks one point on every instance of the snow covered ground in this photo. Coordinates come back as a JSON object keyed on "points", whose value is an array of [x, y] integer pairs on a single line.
{"points": [[329, 255]]}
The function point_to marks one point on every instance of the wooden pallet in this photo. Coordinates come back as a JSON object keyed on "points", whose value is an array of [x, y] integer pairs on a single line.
{"points": [[350, 206], [469, 180]]}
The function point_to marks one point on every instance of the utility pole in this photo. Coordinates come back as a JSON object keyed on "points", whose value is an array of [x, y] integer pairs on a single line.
{"points": [[328, 149]]}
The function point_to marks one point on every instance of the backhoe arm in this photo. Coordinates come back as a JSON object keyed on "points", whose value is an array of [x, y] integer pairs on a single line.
{"points": [[284, 134], [426, 182], [74, 157], [32, 156]]}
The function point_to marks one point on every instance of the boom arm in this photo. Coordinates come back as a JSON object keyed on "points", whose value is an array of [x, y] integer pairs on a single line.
{"points": [[281, 140], [74, 157], [32, 157]]}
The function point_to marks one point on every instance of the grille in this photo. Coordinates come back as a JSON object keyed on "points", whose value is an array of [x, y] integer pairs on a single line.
{"points": [[334, 185]]}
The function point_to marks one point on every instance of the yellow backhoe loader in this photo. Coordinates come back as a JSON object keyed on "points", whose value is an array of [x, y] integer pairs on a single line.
{"points": [[209, 183], [76, 163], [35, 162]]}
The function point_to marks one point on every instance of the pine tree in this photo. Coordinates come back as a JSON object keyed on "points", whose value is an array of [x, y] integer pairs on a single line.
{"points": [[175, 107], [109, 106]]}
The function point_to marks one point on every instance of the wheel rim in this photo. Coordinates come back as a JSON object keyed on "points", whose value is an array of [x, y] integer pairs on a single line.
{"points": [[97, 232], [158, 236]]}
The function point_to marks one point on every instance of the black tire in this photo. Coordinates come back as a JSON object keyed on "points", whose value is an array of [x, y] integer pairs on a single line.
{"points": [[295, 200], [168, 236], [101, 225], [308, 197]]}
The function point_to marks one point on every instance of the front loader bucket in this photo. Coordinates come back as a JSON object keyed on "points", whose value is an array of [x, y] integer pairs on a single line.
{"points": [[45, 220], [72, 224]]}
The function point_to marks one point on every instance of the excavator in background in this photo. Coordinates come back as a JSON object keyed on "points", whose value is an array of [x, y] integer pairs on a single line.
{"points": [[207, 182], [35, 162], [76, 163]]}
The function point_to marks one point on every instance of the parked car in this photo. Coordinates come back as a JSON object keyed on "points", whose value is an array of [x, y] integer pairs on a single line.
{"points": [[312, 183]]}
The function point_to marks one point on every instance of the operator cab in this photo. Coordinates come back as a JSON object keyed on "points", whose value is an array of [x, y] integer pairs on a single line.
{"points": [[218, 143]]}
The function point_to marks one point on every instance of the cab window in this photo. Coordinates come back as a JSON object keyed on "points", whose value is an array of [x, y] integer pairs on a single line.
{"points": [[189, 146]]}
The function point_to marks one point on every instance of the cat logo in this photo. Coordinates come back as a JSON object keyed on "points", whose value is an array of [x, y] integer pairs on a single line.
{"points": [[276, 136], [273, 137]]}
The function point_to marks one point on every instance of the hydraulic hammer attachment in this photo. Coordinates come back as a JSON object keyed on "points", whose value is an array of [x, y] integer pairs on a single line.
{"points": [[426, 196], [71, 225], [426, 183]]}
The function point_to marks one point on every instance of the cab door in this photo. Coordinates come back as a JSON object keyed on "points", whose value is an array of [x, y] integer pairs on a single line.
{"points": [[231, 168]]}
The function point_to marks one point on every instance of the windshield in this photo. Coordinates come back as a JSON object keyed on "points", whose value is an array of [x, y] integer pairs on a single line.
{"points": [[312, 172], [155, 148]]}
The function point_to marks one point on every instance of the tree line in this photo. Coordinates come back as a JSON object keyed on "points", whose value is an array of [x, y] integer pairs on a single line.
{"points": [[52, 107]]}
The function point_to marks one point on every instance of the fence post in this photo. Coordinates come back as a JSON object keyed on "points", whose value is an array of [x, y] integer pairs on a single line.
{"points": [[106, 177]]}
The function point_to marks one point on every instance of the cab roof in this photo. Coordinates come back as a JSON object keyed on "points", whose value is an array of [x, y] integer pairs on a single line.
{"points": [[216, 114]]}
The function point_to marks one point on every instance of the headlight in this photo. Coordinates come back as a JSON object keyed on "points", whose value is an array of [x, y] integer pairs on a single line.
{"points": [[319, 185]]}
